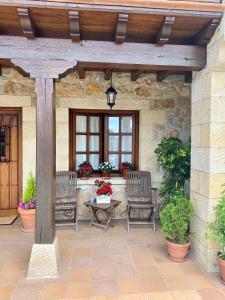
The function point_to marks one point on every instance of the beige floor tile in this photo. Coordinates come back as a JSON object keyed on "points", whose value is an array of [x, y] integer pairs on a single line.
{"points": [[78, 289], [82, 273], [6, 291], [191, 268], [125, 271], [82, 252], [177, 283], [105, 288], [27, 291], [133, 297], [103, 272], [15, 266], [186, 295], [169, 270], [198, 281], [155, 284], [147, 271], [159, 296], [10, 278], [53, 291], [211, 294], [104, 298], [81, 262], [129, 286]]}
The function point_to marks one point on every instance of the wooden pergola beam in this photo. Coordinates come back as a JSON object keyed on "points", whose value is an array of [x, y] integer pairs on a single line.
{"points": [[74, 21], [121, 28], [131, 55], [165, 30], [108, 74], [188, 77], [134, 74], [205, 35], [26, 22], [162, 75], [81, 72]]}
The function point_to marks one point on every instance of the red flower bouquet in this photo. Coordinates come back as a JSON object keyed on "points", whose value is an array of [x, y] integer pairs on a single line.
{"points": [[85, 169], [124, 167], [104, 188]]}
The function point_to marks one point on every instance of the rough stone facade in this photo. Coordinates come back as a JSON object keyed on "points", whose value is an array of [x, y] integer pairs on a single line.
{"points": [[208, 145], [164, 108]]}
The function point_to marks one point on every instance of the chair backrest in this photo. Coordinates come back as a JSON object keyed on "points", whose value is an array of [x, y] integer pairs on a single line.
{"points": [[66, 184], [138, 184]]}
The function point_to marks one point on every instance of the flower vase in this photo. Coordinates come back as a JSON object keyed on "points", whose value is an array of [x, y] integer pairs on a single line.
{"points": [[105, 175], [28, 219], [103, 199], [84, 176]]}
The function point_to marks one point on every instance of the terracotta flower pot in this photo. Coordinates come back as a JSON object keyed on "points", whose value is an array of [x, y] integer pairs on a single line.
{"points": [[84, 176], [221, 263], [28, 219], [124, 173], [105, 175], [177, 252]]}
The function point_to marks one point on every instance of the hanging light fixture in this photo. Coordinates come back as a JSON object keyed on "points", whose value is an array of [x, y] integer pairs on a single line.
{"points": [[111, 95]]}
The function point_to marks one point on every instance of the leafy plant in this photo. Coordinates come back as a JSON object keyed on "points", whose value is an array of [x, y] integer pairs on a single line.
{"points": [[86, 168], [176, 216], [217, 227], [174, 157], [105, 167], [28, 201]]}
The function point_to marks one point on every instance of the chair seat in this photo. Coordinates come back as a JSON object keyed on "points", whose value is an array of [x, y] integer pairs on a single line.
{"points": [[140, 204]]}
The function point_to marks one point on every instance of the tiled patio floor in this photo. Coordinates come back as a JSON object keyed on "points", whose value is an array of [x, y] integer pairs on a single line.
{"points": [[104, 266]]}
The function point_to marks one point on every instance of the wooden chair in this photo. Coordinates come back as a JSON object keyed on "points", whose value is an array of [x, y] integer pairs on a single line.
{"points": [[66, 198], [139, 198]]}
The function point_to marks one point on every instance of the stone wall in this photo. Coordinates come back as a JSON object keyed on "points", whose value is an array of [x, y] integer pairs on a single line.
{"points": [[163, 107]]}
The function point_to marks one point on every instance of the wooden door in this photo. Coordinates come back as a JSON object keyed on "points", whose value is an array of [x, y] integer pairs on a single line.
{"points": [[10, 124]]}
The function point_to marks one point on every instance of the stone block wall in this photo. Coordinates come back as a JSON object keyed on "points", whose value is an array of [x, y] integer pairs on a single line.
{"points": [[163, 107]]}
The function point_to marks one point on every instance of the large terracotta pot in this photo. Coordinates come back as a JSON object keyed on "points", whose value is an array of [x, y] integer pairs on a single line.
{"points": [[105, 175], [124, 173], [177, 252], [28, 219], [221, 263]]}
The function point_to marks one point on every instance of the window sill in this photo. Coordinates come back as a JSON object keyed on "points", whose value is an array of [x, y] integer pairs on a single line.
{"points": [[91, 180]]}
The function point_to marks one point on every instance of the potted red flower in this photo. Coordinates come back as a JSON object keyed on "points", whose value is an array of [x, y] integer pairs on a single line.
{"points": [[124, 167], [85, 170], [103, 191]]}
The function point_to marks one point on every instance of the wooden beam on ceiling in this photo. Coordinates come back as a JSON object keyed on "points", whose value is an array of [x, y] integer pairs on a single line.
{"points": [[26, 22], [162, 75], [165, 30], [121, 28], [81, 71], [108, 74], [135, 74], [205, 35], [127, 55], [74, 25], [188, 77]]}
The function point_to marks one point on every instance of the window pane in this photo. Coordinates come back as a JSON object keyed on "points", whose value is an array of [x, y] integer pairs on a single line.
{"points": [[127, 143], [114, 160], [126, 124], [81, 143], [81, 123], [126, 157], [80, 158], [113, 143], [113, 124], [94, 143], [94, 124], [94, 160]]}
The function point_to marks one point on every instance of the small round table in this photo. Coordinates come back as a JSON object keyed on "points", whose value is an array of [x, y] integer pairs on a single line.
{"points": [[107, 208]]}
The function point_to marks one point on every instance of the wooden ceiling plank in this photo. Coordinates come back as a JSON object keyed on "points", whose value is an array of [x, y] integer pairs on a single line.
{"points": [[108, 74], [121, 28], [135, 74], [26, 22], [74, 20], [188, 77], [205, 35], [162, 75], [165, 30]]}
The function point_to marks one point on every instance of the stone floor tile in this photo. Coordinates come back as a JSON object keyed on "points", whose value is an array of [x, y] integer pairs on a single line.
{"points": [[168, 269], [81, 273], [129, 286], [15, 266], [159, 296], [27, 291], [78, 289], [82, 252], [177, 283], [211, 294], [125, 271], [6, 291], [186, 295], [155, 284], [53, 291], [104, 298], [199, 281], [133, 297], [103, 272], [191, 268], [105, 288], [10, 278], [81, 262], [147, 271]]}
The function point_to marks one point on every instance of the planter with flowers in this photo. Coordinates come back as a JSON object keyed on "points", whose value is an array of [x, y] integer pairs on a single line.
{"points": [[106, 169], [27, 205], [85, 170], [124, 167], [103, 191]]}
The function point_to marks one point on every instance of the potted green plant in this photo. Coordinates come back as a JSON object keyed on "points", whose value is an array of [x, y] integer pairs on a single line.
{"points": [[175, 219], [106, 169], [217, 233], [27, 205], [124, 167], [85, 170]]}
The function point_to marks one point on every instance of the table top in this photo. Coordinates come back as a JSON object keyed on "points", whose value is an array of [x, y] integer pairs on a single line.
{"points": [[113, 203]]}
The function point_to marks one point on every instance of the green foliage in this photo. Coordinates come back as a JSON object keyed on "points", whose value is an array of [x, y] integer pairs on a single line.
{"points": [[217, 228], [174, 157], [30, 189], [176, 216]]}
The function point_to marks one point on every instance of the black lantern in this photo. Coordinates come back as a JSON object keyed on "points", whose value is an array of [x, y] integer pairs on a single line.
{"points": [[111, 95]]}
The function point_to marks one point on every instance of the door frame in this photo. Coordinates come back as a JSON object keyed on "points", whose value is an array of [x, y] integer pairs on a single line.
{"points": [[18, 112]]}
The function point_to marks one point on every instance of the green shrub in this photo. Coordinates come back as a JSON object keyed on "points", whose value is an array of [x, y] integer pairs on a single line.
{"points": [[176, 216], [30, 189], [217, 227]]}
